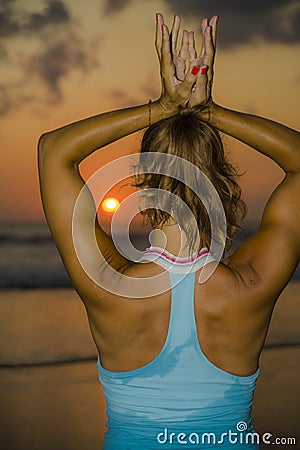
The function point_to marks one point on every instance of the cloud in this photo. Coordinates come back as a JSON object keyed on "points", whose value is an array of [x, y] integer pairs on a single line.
{"points": [[14, 21], [243, 22], [5, 101], [111, 6], [54, 13], [57, 46], [13, 95], [58, 57], [9, 25]]}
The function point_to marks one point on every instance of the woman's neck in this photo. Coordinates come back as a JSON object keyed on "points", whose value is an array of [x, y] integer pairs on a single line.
{"points": [[172, 238]]}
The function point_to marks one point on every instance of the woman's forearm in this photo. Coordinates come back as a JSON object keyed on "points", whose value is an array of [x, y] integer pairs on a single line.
{"points": [[274, 140], [74, 142]]}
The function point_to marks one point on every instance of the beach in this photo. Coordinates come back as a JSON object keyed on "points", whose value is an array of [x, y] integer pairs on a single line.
{"points": [[51, 398]]}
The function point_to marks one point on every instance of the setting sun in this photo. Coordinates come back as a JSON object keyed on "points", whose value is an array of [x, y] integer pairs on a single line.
{"points": [[110, 204]]}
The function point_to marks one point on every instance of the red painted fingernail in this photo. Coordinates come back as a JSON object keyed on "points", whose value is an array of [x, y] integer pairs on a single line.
{"points": [[195, 70], [217, 20], [156, 16], [204, 70]]}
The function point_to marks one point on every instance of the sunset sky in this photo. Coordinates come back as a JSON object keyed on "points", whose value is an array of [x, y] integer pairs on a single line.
{"points": [[65, 60]]}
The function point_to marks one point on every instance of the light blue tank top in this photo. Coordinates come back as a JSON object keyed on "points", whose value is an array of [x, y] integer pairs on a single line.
{"points": [[180, 399]]}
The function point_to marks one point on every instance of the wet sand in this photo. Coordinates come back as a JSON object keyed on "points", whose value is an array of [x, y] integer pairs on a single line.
{"points": [[61, 407]]}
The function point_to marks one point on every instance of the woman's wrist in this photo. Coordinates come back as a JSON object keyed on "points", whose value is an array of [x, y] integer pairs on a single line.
{"points": [[270, 138], [165, 109], [213, 113], [160, 110], [74, 142]]}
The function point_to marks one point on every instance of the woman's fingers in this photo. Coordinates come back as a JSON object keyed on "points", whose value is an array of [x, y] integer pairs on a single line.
{"points": [[179, 57], [204, 25], [200, 93], [158, 34], [192, 47], [201, 83], [209, 36], [202, 89], [180, 61], [183, 53], [174, 34], [166, 63], [182, 85], [187, 85], [209, 47], [213, 22]]}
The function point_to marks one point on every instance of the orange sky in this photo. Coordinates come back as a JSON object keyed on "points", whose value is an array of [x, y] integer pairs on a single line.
{"points": [[63, 62]]}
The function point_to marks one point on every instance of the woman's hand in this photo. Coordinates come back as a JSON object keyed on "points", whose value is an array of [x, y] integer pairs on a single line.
{"points": [[180, 58], [178, 75], [202, 89]]}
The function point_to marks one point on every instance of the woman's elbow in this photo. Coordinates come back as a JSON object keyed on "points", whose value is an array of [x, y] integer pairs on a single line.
{"points": [[44, 143], [48, 146]]}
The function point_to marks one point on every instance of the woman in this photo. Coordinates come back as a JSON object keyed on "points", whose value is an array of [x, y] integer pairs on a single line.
{"points": [[178, 365]]}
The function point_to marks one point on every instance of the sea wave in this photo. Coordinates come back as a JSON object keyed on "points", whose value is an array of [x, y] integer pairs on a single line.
{"points": [[50, 327], [29, 258]]}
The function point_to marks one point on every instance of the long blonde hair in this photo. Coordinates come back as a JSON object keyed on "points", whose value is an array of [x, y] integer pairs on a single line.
{"points": [[192, 138]]}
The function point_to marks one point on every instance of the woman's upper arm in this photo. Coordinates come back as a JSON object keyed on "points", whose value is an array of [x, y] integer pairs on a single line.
{"points": [[269, 257], [71, 215]]}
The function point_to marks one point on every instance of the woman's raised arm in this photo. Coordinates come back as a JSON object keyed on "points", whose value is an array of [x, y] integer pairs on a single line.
{"points": [[268, 258], [74, 142], [272, 254], [60, 152]]}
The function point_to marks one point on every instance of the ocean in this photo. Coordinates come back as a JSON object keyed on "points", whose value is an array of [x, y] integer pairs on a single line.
{"points": [[29, 258], [50, 395], [39, 307]]}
